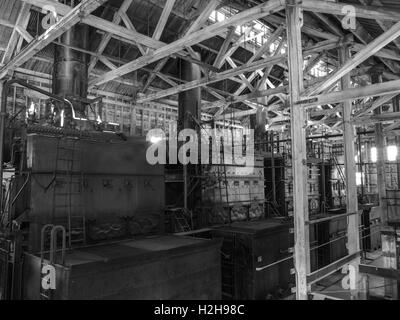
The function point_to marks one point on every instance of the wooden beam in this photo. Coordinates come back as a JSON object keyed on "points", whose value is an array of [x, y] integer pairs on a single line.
{"points": [[391, 127], [367, 12], [294, 20], [65, 23], [225, 45], [25, 34], [7, 23], [211, 79], [274, 36], [129, 36], [241, 76], [163, 19], [353, 233], [189, 40], [314, 62], [388, 273], [360, 57], [203, 13], [329, 24], [236, 45], [247, 99], [24, 14], [363, 35], [385, 25], [23, 25], [331, 268], [105, 40], [305, 29], [376, 104], [374, 90], [257, 65], [383, 53], [107, 63]]}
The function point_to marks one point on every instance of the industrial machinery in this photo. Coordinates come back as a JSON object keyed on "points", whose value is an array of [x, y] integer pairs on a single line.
{"points": [[82, 211]]}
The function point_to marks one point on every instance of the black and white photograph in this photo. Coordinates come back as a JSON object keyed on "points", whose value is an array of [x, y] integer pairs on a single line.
{"points": [[206, 157]]}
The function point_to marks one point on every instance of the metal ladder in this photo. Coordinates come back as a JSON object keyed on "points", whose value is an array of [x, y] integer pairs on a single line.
{"points": [[340, 171], [52, 259], [67, 196], [180, 220]]}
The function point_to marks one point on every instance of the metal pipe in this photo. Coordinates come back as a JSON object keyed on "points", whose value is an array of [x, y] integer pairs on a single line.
{"points": [[3, 116]]}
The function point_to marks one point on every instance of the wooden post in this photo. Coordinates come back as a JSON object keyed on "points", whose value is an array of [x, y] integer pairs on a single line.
{"points": [[353, 235], [294, 19], [396, 108], [3, 115], [376, 77]]}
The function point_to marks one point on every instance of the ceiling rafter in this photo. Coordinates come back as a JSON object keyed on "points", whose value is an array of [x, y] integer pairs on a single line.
{"points": [[189, 40], [106, 38], [195, 23], [55, 31], [20, 24]]}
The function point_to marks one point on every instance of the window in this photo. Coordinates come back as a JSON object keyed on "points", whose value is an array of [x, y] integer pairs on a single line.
{"points": [[392, 153], [358, 178], [374, 154], [220, 16]]}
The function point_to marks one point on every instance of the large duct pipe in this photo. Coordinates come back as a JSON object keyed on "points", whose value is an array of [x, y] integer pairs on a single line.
{"points": [[70, 74], [189, 101], [189, 112]]}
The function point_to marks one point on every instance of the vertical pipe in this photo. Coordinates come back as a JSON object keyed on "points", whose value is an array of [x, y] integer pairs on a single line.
{"points": [[376, 77], [189, 108]]}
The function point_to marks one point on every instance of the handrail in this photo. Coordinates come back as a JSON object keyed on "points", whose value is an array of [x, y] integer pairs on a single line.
{"points": [[53, 243], [42, 235]]}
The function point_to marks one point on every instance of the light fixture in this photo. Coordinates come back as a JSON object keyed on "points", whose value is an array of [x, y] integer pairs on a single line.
{"points": [[358, 178]]}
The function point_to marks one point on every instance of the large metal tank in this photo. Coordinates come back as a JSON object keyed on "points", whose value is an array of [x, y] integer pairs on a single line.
{"points": [[112, 185]]}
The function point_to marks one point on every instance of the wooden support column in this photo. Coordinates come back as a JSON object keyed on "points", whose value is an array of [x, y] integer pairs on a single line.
{"points": [[396, 108], [376, 77], [294, 19], [353, 236]]}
